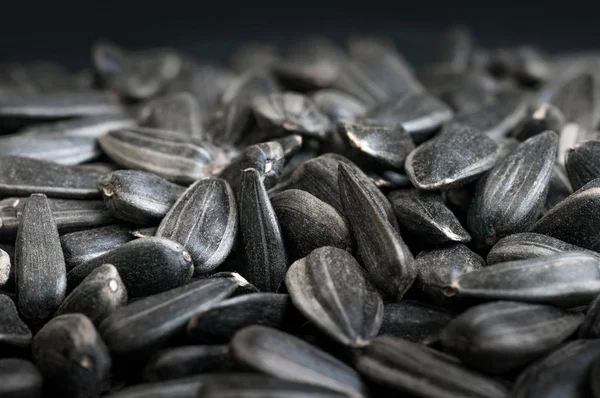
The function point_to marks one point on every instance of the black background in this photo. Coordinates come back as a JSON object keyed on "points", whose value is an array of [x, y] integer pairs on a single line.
{"points": [[63, 31]]}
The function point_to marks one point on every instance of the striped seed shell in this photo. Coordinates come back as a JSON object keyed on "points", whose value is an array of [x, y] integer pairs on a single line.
{"points": [[578, 100], [89, 126], [58, 148], [581, 163], [176, 112], [179, 362], [543, 118], [13, 331], [414, 321]]}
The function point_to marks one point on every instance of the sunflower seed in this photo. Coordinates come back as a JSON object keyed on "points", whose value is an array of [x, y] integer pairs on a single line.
{"points": [[425, 215], [178, 112], [593, 378], [455, 48], [23, 176], [590, 328], [146, 266], [179, 362], [13, 331], [186, 387], [510, 198], [545, 117], [286, 357], [138, 196], [308, 223], [221, 321], [566, 280], [528, 331], [97, 296], [19, 378], [36, 76], [577, 99], [410, 368], [414, 321], [5, 267], [581, 163], [149, 322], [431, 167], [338, 105], [290, 144], [89, 126], [72, 357], [559, 189], [59, 149], [384, 254], [40, 265]]}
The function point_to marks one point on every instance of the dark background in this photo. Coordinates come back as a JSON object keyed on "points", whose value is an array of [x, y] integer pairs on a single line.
{"points": [[63, 31]]}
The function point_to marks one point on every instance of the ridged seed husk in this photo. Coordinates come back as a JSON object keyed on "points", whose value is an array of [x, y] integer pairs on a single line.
{"points": [[284, 356], [176, 112], [308, 223], [138, 196], [72, 357], [149, 322], [333, 292], [89, 126], [503, 336], [14, 333], [41, 276], [179, 362], [383, 253], [581, 163], [20, 378], [205, 221], [566, 280], [60, 149], [410, 368]]}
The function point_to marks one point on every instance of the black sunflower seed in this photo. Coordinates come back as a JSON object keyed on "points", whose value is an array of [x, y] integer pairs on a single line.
{"points": [[179, 362], [60, 149], [19, 378], [571, 135], [414, 321], [89, 126], [590, 328], [14, 333], [546, 117], [581, 163], [176, 112], [338, 105], [186, 387], [146, 266], [559, 189]]}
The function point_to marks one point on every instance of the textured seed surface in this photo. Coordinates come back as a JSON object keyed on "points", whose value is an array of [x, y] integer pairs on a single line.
{"points": [[543, 118], [179, 362], [66, 150], [13, 331], [19, 378], [89, 126], [414, 321]]}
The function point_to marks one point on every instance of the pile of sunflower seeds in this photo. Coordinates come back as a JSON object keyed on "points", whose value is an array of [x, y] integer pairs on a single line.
{"points": [[313, 221]]}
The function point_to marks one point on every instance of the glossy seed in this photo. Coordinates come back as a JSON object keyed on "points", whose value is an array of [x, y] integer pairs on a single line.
{"points": [[23, 176], [149, 322], [414, 321], [13, 331], [546, 117], [384, 254], [307, 223], [89, 126], [582, 164], [410, 368], [431, 167], [566, 280], [5, 267], [511, 197], [528, 331], [58, 149], [220, 322], [101, 293], [19, 378], [338, 105], [177, 112], [146, 266], [284, 356], [39, 261], [179, 362]]}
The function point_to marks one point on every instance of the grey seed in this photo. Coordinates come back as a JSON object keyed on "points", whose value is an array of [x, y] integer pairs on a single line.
{"points": [[82, 246], [175, 161], [414, 321], [291, 144], [575, 219], [149, 322], [220, 322], [425, 215], [59, 149], [439, 267], [60, 104], [376, 144], [559, 189], [263, 251], [161, 134], [99, 167], [179, 362], [36, 76], [5, 268], [284, 356], [89, 126], [186, 387], [308, 223], [506, 146], [566, 280], [254, 55], [137, 196], [178, 112], [384, 254], [40, 266], [205, 221], [13, 331], [526, 245], [577, 99], [531, 66], [590, 328], [289, 113], [23, 176], [455, 48], [465, 92], [451, 160], [511, 197], [571, 135], [581, 163], [332, 291], [563, 373], [101, 293], [72, 357], [418, 113], [410, 368], [503, 336], [545, 117], [147, 266], [19, 378], [337, 105]]}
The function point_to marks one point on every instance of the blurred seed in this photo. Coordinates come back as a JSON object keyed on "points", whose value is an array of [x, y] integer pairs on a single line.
{"points": [[146, 266], [286, 357], [89, 126], [571, 135], [431, 167], [14, 333], [39, 261], [384, 254], [186, 387], [566, 280], [455, 48], [582, 163], [178, 112], [410, 368], [590, 328], [19, 378], [179, 362], [577, 99], [338, 105], [593, 378], [543, 118], [147, 323], [528, 331], [72, 357], [290, 144], [60, 149], [5, 267], [101, 293], [254, 55], [414, 321], [559, 189]]}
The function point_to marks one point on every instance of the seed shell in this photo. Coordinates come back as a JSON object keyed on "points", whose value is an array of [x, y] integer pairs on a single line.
{"points": [[180, 362], [19, 378]]}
